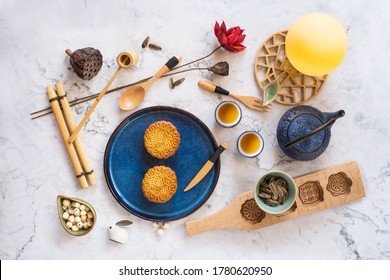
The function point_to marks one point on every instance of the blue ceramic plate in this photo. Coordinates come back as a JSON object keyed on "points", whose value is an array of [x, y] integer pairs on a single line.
{"points": [[126, 161]]}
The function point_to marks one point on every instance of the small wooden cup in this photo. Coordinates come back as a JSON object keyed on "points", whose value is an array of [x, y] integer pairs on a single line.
{"points": [[127, 59], [61, 211]]}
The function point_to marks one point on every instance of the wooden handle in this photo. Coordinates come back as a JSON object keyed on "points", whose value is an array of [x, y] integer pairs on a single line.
{"points": [[68, 52], [168, 66], [65, 136], [88, 171], [206, 85], [100, 96], [212, 222], [218, 152]]}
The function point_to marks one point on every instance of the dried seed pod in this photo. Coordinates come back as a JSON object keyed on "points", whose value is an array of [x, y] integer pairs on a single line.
{"points": [[265, 190], [171, 83], [85, 62], [264, 195], [145, 42], [221, 68], [178, 82], [271, 202], [155, 47]]}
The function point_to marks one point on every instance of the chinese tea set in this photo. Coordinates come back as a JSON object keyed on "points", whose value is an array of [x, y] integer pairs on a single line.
{"points": [[165, 187]]}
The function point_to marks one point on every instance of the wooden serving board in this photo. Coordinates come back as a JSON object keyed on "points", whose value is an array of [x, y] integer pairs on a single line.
{"points": [[318, 190]]}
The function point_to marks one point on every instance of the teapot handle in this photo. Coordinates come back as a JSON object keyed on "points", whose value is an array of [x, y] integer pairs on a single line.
{"points": [[311, 133]]}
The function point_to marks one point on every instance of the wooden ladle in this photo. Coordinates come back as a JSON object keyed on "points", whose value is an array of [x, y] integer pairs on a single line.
{"points": [[125, 59], [136, 94]]}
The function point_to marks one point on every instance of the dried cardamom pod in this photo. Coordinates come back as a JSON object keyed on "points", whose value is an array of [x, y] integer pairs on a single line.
{"points": [[155, 47], [221, 68], [145, 42]]}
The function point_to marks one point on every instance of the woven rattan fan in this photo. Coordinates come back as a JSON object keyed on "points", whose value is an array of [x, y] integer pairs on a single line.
{"points": [[271, 62]]}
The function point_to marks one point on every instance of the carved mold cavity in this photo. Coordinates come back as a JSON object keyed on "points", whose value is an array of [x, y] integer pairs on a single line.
{"points": [[339, 184], [251, 212], [289, 211], [311, 192]]}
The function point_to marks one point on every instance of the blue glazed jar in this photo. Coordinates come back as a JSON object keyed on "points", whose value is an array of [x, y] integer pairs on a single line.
{"points": [[303, 132]]}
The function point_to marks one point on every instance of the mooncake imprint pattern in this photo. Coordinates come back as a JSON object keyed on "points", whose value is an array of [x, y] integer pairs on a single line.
{"points": [[311, 192], [339, 184], [251, 212], [161, 139], [159, 184]]}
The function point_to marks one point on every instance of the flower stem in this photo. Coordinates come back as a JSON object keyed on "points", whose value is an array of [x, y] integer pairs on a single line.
{"points": [[204, 57], [182, 71]]}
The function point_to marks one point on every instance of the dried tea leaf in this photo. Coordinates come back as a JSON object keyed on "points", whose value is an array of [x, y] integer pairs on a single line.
{"points": [[178, 82], [155, 47], [145, 42], [271, 202], [171, 83], [264, 195], [266, 190]]}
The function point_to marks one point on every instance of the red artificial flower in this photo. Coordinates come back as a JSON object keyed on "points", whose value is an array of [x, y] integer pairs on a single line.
{"points": [[230, 39]]}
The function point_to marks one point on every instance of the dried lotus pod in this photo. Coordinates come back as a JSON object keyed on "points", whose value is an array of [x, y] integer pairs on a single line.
{"points": [[85, 62]]}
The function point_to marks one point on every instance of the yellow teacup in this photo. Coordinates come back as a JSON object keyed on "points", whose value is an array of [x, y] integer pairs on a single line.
{"points": [[228, 114], [250, 144]]}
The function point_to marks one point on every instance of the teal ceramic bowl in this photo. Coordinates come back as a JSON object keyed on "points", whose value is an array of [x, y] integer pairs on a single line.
{"points": [[292, 194]]}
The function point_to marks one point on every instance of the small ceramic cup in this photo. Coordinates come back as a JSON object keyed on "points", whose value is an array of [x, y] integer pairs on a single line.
{"points": [[250, 144], [290, 200], [228, 114]]}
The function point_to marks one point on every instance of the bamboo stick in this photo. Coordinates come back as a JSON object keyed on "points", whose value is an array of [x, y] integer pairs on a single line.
{"points": [[65, 136], [125, 59], [85, 164], [89, 112]]}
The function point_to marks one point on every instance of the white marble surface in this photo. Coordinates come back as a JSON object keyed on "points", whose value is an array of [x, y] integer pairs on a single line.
{"points": [[34, 166]]}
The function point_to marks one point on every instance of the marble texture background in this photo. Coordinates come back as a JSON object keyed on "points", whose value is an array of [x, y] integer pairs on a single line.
{"points": [[34, 166]]}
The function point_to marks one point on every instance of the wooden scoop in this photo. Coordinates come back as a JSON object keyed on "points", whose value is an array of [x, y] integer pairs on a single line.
{"points": [[125, 59], [136, 94]]}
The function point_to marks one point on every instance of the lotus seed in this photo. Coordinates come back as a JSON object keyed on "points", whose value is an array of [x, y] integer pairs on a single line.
{"points": [[66, 202], [71, 218], [65, 215]]}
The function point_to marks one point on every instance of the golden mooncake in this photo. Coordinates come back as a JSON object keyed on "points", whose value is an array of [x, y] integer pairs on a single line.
{"points": [[159, 184], [161, 139]]}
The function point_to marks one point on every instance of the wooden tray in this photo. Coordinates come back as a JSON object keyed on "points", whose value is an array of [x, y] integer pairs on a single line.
{"points": [[295, 87], [319, 190]]}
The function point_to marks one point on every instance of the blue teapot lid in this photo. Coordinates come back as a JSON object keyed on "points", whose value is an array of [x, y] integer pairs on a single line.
{"points": [[300, 121]]}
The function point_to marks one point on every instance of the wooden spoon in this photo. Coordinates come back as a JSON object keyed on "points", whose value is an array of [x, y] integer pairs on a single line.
{"points": [[136, 94]]}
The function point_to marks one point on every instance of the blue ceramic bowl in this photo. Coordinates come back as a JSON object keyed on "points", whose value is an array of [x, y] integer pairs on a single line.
{"points": [[292, 194]]}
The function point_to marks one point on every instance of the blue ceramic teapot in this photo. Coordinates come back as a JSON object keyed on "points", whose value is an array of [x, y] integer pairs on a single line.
{"points": [[303, 132]]}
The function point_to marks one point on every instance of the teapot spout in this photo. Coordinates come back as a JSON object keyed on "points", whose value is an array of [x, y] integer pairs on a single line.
{"points": [[334, 115]]}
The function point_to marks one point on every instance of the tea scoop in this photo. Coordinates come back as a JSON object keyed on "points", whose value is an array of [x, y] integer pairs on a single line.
{"points": [[136, 94]]}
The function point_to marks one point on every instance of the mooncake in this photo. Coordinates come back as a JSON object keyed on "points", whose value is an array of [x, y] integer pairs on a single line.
{"points": [[161, 139], [159, 184]]}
